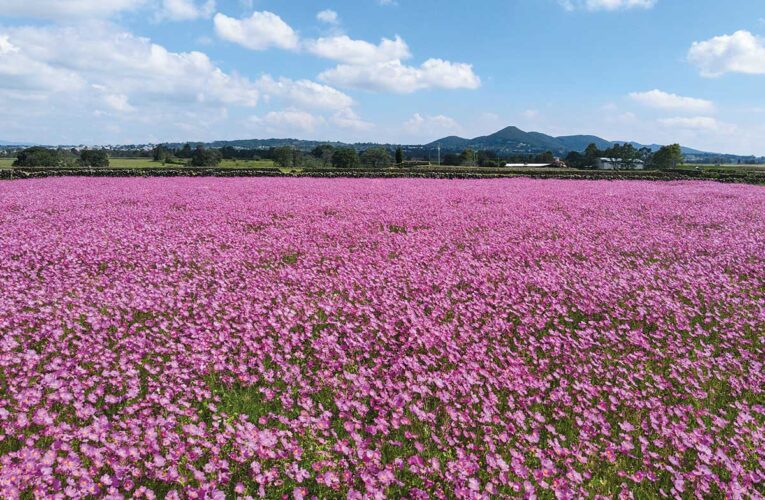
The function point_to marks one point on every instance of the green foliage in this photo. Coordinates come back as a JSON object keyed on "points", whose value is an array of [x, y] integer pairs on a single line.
{"points": [[399, 156], [345, 158], [161, 153], [93, 158], [205, 157], [468, 158], [39, 157], [668, 157], [287, 157], [376, 158], [324, 154]]}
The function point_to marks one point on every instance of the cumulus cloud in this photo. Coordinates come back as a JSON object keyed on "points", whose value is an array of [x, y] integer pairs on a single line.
{"points": [[663, 100], [304, 93], [67, 8], [431, 125], [705, 123], [288, 121], [348, 119], [394, 76], [186, 10], [741, 52], [117, 65], [328, 16], [260, 31], [595, 5], [358, 52], [379, 68]]}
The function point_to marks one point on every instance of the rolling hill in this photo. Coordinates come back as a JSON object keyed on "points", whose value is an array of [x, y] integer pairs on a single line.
{"points": [[512, 140]]}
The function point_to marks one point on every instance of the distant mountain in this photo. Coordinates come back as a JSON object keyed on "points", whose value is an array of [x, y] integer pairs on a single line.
{"points": [[512, 140], [11, 143]]}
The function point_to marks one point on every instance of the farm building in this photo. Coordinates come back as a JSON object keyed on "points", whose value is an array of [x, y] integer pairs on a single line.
{"points": [[618, 164], [529, 165]]}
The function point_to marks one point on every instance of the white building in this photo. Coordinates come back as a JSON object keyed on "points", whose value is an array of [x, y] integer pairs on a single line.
{"points": [[528, 165], [617, 164]]}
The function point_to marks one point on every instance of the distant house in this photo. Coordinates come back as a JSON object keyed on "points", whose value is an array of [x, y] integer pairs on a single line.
{"points": [[618, 164], [557, 163]]}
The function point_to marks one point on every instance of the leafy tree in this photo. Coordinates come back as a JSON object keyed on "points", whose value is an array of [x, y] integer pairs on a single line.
{"points": [[93, 158], [38, 157], [576, 160], [399, 155], [287, 157], [185, 151], [376, 158], [467, 158], [668, 157], [451, 159], [161, 153], [202, 157], [546, 157], [345, 158], [324, 153], [591, 154], [228, 153]]}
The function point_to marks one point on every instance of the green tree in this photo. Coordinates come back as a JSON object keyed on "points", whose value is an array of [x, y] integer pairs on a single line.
{"points": [[185, 151], [202, 157], [345, 158], [547, 157], [451, 159], [160, 153], [668, 157], [38, 157], [399, 155], [324, 153], [93, 158], [591, 154], [376, 158], [287, 157], [467, 158]]}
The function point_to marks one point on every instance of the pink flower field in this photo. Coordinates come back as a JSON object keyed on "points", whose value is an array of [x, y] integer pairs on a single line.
{"points": [[301, 338]]}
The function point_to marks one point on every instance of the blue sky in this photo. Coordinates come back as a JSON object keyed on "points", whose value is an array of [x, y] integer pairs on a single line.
{"points": [[404, 71]]}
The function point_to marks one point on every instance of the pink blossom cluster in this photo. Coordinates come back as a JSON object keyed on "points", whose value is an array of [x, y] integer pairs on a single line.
{"points": [[301, 338]]}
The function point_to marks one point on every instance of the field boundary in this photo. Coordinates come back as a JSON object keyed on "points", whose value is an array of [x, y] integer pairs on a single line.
{"points": [[738, 176]]}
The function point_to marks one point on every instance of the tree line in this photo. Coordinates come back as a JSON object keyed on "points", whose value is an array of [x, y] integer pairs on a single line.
{"points": [[44, 157], [626, 156]]}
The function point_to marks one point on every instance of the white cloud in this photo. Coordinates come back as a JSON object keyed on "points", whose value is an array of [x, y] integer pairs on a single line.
{"points": [[186, 10], [328, 16], [696, 123], [116, 63], [663, 100], [431, 126], [393, 76], [67, 8], [531, 114], [348, 119], [609, 5], [741, 52], [288, 121], [304, 93], [260, 31], [359, 52]]}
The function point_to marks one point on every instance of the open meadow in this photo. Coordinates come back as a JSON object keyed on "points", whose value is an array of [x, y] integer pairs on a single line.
{"points": [[292, 338]]}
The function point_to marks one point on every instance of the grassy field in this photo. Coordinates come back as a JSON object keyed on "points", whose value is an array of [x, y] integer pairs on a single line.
{"points": [[148, 163]]}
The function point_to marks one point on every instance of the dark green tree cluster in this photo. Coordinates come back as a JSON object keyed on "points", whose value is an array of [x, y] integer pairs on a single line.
{"points": [[97, 158], [202, 157], [668, 157], [39, 157], [345, 158], [376, 158]]}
